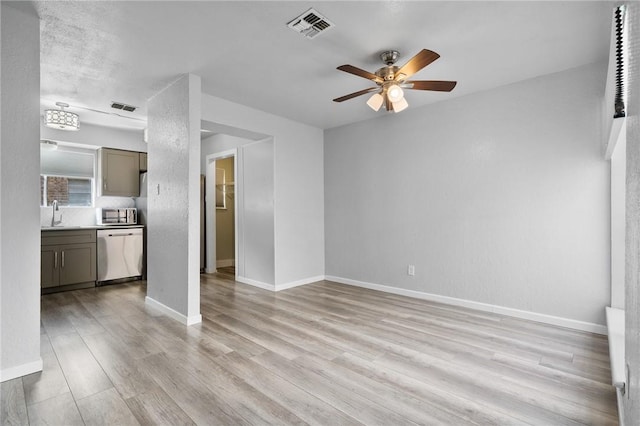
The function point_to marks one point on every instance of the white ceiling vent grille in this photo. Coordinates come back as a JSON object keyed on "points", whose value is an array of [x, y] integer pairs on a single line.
{"points": [[310, 24]]}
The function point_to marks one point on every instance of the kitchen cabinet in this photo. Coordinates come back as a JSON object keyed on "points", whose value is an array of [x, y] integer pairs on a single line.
{"points": [[68, 257], [118, 172], [143, 162]]}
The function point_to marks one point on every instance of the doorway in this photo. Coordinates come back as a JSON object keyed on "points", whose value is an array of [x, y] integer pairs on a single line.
{"points": [[221, 213], [225, 216]]}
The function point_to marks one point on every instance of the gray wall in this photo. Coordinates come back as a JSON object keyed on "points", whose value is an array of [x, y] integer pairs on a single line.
{"points": [[298, 187], [173, 216], [99, 136], [632, 271], [500, 197], [256, 204], [19, 205], [254, 194]]}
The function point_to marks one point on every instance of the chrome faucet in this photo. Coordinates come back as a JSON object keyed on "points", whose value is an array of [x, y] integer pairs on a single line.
{"points": [[55, 208]]}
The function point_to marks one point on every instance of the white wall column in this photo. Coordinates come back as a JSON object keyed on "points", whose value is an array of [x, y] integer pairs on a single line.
{"points": [[618, 182], [19, 206], [173, 225], [631, 400]]}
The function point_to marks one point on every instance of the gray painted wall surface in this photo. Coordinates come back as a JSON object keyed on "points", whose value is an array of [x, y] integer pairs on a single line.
{"points": [[257, 208], [100, 136], [631, 401], [500, 197], [19, 206], [173, 217], [298, 185], [254, 194]]}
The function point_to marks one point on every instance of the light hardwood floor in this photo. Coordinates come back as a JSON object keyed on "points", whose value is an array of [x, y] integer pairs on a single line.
{"points": [[323, 353]]}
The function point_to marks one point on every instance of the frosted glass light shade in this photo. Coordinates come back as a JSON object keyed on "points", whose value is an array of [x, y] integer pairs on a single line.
{"points": [[375, 101], [60, 119], [395, 93], [400, 105]]}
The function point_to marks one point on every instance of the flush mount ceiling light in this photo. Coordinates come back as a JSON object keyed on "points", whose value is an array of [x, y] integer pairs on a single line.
{"points": [[391, 80], [61, 119]]}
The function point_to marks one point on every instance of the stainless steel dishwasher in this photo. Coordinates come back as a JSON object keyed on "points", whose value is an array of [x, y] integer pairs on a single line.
{"points": [[119, 254]]}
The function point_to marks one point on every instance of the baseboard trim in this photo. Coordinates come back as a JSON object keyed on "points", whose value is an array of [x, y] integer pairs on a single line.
{"points": [[172, 313], [20, 370], [516, 313], [225, 263], [298, 283], [256, 283]]}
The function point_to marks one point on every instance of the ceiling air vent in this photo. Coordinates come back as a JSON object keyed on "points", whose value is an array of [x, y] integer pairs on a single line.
{"points": [[122, 106], [310, 24]]}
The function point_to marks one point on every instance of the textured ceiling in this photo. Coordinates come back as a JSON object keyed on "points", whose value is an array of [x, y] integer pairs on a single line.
{"points": [[93, 53]]}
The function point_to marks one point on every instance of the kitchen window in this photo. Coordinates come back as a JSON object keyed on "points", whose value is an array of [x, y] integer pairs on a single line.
{"points": [[67, 175]]}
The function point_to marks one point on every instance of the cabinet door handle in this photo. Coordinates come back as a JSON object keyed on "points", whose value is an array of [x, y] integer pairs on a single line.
{"points": [[63, 258], [55, 260], [104, 183]]}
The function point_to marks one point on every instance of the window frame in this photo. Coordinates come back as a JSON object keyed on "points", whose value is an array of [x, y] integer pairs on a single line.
{"points": [[73, 148]]}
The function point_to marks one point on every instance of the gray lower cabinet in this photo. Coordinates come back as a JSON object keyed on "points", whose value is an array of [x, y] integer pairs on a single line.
{"points": [[68, 258]]}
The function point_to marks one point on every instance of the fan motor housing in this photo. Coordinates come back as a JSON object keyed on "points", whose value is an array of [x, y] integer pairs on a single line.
{"points": [[387, 73]]}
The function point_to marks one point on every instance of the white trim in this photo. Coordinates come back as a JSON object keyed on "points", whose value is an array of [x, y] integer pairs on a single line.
{"points": [[619, 397], [298, 283], [486, 307], [255, 283], [225, 262], [616, 327], [20, 370], [279, 287], [171, 313], [617, 126]]}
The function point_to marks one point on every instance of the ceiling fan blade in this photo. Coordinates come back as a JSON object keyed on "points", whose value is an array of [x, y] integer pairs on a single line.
{"points": [[359, 72], [356, 94], [415, 64], [437, 85]]}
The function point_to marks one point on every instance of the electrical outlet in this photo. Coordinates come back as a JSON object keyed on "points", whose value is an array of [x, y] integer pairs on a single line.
{"points": [[411, 270]]}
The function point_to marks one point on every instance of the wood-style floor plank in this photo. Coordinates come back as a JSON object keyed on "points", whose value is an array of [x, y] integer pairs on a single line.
{"points": [[48, 383], [106, 408], [155, 407], [318, 354], [83, 372], [14, 408], [59, 410], [309, 408]]}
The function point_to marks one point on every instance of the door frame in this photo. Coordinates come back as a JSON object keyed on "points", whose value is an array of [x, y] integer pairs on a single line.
{"points": [[210, 209]]}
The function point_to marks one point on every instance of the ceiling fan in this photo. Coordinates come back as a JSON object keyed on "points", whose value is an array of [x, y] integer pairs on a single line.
{"points": [[391, 80]]}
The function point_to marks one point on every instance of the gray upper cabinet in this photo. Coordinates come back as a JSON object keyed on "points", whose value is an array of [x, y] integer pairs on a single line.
{"points": [[118, 173], [143, 162]]}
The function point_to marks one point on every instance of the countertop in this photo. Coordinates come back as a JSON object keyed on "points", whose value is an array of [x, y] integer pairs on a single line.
{"points": [[75, 228]]}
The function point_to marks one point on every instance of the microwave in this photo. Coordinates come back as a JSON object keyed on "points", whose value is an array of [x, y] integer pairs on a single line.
{"points": [[127, 216]]}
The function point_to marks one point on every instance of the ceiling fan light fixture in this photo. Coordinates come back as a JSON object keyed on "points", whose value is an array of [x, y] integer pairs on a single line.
{"points": [[395, 93], [391, 80], [61, 119], [400, 105], [375, 101]]}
